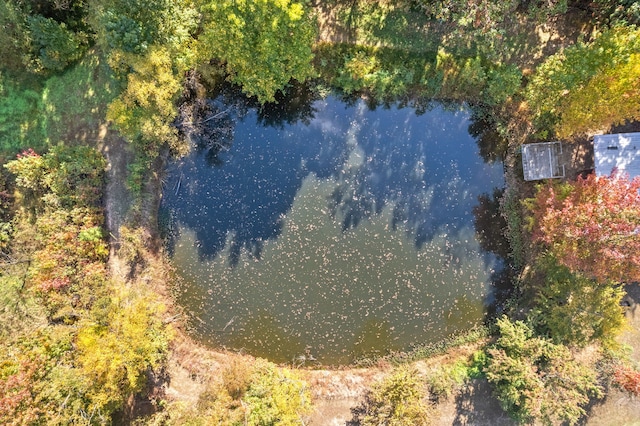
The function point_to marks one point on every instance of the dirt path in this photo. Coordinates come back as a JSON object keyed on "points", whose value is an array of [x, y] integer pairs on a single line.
{"points": [[117, 198]]}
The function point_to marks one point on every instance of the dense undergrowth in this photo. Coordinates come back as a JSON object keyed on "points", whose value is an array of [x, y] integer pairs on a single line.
{"points": [[75, 343], [78, 344]]}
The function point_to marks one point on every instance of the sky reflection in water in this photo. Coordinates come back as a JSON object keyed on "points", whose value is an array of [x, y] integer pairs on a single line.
{"points": [[347, 236]]}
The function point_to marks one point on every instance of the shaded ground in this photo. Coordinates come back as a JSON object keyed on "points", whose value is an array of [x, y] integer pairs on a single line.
{"points": [[619, 408], [526, 42], [577, 158], [474, 405], [631, 336], [117, 199]]}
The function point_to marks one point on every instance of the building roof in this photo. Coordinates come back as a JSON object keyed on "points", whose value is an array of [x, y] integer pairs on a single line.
{"points": [[541, 160], [619, 153]]}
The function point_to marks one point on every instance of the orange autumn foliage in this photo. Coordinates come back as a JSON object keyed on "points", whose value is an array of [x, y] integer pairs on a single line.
{"points": [[628, 379], [592, 226]]}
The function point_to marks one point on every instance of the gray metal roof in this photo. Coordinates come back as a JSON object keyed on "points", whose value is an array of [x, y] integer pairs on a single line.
{"points": [[617, 152], [541, 160]]}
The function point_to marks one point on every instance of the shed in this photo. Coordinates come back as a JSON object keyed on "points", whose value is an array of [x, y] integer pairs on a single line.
{"points": [[617, 153], [542, 160]]}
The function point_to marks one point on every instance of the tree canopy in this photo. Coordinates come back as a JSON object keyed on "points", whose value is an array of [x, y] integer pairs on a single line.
{"points": [[591, 226], [535, 379], [594, 308], [271, 42], [587, 86]]}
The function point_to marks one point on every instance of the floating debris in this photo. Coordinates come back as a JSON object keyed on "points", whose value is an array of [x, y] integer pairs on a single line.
{"points": [[362, 236]]}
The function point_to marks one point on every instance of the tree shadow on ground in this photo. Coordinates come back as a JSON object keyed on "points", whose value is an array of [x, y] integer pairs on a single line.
{"points": [[475, 405], [617, 408]]}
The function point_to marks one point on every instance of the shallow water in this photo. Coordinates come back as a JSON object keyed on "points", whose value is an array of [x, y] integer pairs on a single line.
{"points": [[345, 235]]}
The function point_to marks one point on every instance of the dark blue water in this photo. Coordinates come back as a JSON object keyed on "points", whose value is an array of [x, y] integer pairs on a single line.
{"points": [[348, 234]]}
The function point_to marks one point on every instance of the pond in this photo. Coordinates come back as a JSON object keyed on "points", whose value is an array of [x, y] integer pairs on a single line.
{"points": [[344, 233]]}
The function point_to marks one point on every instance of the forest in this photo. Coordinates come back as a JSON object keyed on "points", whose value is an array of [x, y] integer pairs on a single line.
{"points": [[94, 97]]}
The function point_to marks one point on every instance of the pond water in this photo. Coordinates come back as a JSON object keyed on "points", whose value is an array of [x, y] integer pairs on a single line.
{"points": [[344, 234]]}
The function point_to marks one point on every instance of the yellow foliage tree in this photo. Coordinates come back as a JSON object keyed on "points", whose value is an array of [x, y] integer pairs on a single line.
{"points": [[144, 111], [398, 399], [610, 98], [276, 396], [125, 339]]}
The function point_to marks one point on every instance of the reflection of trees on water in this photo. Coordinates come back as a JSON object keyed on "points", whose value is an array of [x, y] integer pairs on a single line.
{"points": [[208, 124], [502, 289], [490, 224], [215, 130], [294, 105], [427, 181], [420, 105], [391, 159], [490, 228], [492, 146]]}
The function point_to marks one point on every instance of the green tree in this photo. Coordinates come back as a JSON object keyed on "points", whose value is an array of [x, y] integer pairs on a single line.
{"points": [[134, 26], [398, 399], [15, 40], [594, 308], [537, 380], [271, 42], [54, 45], [150, 47]]}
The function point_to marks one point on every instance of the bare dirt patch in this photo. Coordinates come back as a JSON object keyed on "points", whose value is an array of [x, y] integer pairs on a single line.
{"points": [[335, 392]]}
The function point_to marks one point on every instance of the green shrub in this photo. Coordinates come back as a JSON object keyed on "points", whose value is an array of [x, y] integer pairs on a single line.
{"points": [[443, 381], [276, 396], [397, 400], [537, 380], [64, 177], [446, 379]]}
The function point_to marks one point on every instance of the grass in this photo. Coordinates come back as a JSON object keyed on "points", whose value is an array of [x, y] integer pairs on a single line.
{"points": [[74, 104], [428, 350], [66, 108], [512, 210], [400, 25], [384, 24], [19, 115], [394, 52]]}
